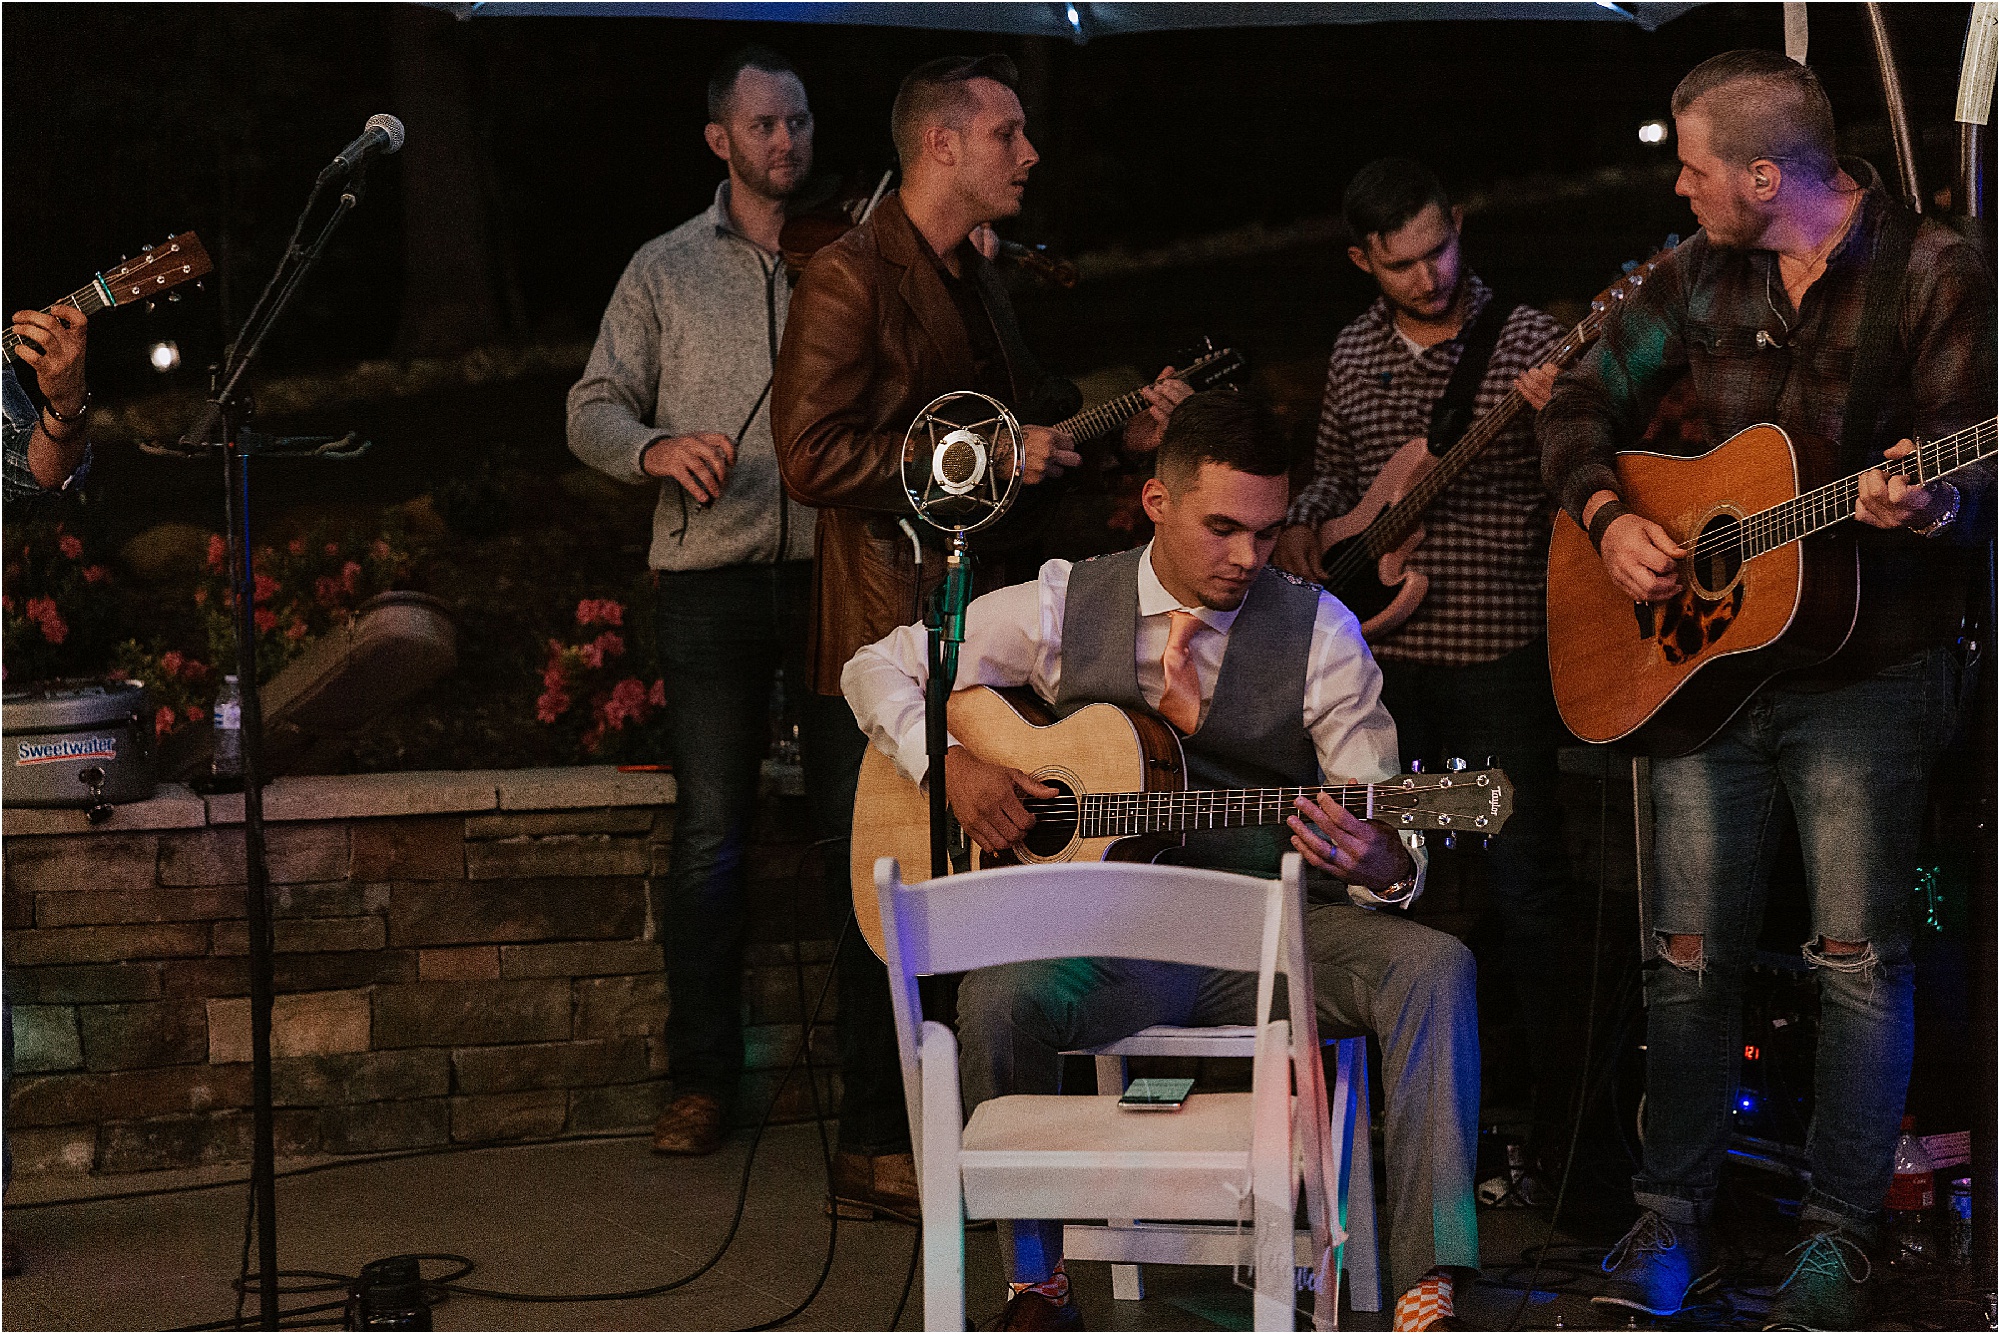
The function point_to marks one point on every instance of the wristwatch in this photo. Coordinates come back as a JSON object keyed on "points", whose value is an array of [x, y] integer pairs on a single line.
{"points": [[1947, 517]]}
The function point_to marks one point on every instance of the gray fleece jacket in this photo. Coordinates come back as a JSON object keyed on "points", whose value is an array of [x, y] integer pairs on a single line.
{"points": [[687, 344]]}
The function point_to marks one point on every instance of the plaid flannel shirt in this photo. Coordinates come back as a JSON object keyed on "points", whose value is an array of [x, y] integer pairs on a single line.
{"points": [[1699, 317], [17, 482], [1486, 545]]}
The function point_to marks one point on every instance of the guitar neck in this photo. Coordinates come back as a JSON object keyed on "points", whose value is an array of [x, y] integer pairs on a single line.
{"points": [[1104, 418], [1825, 506], [92, 297], [1123, 814]]}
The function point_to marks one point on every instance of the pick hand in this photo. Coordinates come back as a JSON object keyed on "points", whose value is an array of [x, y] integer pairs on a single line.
{"points": [[1045, 454], [1356, 851], [1163, 395], [1641, 558], [1298, 551], [986, 798], [1891, 502], [1537, 385], [700, 463]]}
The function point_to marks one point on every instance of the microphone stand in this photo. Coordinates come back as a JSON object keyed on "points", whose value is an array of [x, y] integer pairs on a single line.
{"points": [[220, 428], [945, 625]]}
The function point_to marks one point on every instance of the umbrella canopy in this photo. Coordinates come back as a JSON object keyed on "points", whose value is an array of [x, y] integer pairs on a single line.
{"points": [[1081, 20]]}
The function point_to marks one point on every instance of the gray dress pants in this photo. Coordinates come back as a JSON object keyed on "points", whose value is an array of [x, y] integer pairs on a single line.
{"points": [[1410, 986]]}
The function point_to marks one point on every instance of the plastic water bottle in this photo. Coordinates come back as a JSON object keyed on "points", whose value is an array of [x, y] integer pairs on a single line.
{"points": [[1958, 1224], [227, 762], [1911, 1203]]}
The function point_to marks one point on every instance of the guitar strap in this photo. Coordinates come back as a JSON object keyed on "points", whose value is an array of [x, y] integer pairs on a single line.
{"points": [[1452, 413], [1876, 341]]}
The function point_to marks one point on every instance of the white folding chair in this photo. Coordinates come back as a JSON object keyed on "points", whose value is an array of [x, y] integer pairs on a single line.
{"points": [[1227, 1157]]}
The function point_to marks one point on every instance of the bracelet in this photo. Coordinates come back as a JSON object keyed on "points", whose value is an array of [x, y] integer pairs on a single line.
{"points": [[1608, 513], [49, 407], [1945, 519]]}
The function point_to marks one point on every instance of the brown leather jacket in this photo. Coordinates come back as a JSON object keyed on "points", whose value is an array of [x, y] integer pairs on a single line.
{"points": [[871, 338]]}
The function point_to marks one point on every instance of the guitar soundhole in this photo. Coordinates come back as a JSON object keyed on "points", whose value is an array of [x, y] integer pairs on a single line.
{"points": [[1055, 820], [1716, 556]]}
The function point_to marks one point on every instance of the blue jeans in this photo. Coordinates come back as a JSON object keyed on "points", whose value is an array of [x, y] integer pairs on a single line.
{"points": [[1855, 765], [723, 634], [1505, 709]]}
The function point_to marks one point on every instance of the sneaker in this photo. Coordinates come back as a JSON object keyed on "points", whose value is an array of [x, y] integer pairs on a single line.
{"points": [[1824, 1289], [1031, 1310], [1657, 1266]]}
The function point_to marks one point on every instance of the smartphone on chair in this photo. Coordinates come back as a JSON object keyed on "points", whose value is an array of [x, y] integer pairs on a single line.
{"points": [[1156, 1095]]}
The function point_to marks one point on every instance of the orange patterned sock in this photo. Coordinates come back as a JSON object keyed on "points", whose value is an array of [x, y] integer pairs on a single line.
{"points": [[1055, 1287], [1426, 1304]]}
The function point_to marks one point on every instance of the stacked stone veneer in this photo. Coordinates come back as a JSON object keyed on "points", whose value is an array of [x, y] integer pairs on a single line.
{"points": [[460, 957]]}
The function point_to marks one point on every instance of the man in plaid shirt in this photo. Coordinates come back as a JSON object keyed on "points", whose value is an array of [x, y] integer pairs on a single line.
{"points": [[1467, 673]]}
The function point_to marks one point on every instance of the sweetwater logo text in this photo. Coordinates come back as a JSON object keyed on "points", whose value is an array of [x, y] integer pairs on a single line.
{"points": [[70, 748]]}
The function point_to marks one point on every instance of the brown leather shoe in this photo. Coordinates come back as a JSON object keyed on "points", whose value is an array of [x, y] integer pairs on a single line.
{"points": [[882, 1185], [1031, 1310], [692, 1125]]}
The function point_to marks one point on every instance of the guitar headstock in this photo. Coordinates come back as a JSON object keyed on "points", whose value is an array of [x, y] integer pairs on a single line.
{"points": [[1465, 802], [156, 269], [1211, 367], [1631, 280]]}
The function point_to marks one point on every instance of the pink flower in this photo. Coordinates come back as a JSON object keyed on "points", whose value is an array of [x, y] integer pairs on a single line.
{"points": [[266, 620], [170, 662], [95, 574], [611, 644], [657, 696], [350, 576], [326, 590], [380, 549], [296, 630], [70, 546], [267, 588], [163, 720], [7, 601], [592, 655], [627, 703], [600, 611], [194, 713], [333, 548], [553, 676], [218, 553], [297, 546], [594, 738], [42, 611], [551, 706]]}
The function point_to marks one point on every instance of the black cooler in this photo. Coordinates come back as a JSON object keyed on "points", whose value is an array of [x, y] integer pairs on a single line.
{"points": [[77, 743]]}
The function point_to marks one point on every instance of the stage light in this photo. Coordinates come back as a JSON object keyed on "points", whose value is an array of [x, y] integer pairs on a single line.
{"points": [[1653, 132], [164, 355]]}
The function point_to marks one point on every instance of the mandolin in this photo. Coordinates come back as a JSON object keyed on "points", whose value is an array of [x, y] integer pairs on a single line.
{"points": [[1123, 794], [1367, 550], [1211, 368], [157, 270]]}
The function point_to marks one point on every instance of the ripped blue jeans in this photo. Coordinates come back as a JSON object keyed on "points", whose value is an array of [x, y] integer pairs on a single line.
{"points": [[1855, 764]]}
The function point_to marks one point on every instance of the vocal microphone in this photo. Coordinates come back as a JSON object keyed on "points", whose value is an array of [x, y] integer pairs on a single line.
{"points": [[962, 462], [382, 134]]}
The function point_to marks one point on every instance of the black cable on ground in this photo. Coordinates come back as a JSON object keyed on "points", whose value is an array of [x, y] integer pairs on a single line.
{"points": [[1580, 1105], [909, 1278]]}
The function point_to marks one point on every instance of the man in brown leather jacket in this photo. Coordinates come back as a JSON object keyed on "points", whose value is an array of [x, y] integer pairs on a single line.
{"points": [[901, 309]]}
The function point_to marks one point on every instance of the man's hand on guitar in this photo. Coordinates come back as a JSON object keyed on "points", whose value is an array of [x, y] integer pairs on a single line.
{"points": [[1298, 551], [1163, 395], [1046, 454], [1638, 554], [986, 798], [700, 463], [1538, 385], [52, 343], [1891, 502], [1357, 852]]}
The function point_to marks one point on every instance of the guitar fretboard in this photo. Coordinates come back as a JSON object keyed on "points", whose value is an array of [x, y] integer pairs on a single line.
{"points": [[1825, 506], [1114, 413], [1123, 814], [90, 298]]}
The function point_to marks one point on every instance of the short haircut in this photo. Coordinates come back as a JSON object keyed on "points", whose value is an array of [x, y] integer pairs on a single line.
{"points": [[1236, 430], [1760, 104], [935, 93], [722, 83], [1387, 193]]}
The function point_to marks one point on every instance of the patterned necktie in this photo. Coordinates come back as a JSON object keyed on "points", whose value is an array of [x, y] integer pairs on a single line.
{"points": [[1180, 703]]}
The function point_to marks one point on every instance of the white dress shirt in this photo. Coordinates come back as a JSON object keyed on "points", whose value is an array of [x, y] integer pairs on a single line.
{"points": [[1013, 637]]}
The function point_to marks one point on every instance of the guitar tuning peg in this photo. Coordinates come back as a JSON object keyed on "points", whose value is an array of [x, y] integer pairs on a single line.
{"points": [[201, 284], [1488, 764], [1628, 266], [173, 298], [1416, 766], [1673, 240], [1455, 765], [1485, 842], [1451, 840], [152, 306]]}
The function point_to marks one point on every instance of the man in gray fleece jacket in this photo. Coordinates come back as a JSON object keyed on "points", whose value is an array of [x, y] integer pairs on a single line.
{"points": [[677, 392]]}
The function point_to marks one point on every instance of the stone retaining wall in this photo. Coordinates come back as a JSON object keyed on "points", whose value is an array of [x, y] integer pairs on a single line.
{"points": [[460, 957]]}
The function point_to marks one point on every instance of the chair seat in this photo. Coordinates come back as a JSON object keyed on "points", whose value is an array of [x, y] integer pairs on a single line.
{"points": [[1037, 1156]]}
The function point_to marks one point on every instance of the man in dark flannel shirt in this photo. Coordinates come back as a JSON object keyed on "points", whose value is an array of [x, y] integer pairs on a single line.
{"points": [[1467, 674], [46, 448], [1762, 310]]}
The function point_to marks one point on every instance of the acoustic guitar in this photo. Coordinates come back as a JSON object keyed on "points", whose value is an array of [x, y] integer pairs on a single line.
{"points": [[1771, 584], [1123, 794], [1367, 550], [157, 270]]}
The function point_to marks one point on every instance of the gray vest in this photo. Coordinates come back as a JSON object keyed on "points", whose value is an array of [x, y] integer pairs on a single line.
{"points": [[1253, 736]]}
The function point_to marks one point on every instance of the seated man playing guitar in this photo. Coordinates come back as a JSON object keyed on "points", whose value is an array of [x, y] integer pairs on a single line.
{"points": [[1271, 683], [1792, 306]]}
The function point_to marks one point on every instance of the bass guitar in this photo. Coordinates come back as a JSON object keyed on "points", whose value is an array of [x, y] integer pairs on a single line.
{"points": [[1367, 550], [1771, 584], [1123, 794], [157, 270]]}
